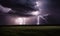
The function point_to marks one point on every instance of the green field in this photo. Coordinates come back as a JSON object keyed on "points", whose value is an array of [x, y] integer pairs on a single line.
{"points": [[30, 31]]}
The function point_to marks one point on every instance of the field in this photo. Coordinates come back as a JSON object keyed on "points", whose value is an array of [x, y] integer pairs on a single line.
{"points": [[30, 31]]}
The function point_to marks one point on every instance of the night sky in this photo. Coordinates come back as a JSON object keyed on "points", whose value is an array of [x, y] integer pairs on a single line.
{"points": [[21, 7], [54, 8]]}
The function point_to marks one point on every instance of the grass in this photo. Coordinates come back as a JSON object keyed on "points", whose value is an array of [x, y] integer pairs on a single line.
{"points": [[30, 30]]}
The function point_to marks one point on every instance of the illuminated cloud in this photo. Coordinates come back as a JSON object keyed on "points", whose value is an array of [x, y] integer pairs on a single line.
{"points": [[35, 13], [4, 9], [38, 4], [19, 21]]}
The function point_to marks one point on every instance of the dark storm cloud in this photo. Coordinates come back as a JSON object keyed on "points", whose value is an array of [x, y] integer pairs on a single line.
{"points": [[29, 4], [53, 8]]}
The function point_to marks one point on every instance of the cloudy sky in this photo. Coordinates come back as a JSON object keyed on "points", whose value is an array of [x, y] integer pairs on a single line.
{"points": [[21, 7]]}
